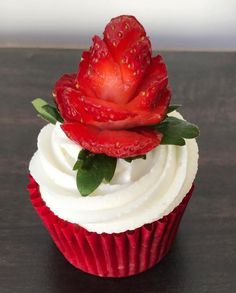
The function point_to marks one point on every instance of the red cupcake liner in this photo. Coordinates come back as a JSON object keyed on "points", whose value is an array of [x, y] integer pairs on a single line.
{"points": [[110, 255]]}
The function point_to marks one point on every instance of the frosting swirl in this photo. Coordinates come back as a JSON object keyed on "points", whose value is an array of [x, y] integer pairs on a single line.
{"points": [[140, 192]]}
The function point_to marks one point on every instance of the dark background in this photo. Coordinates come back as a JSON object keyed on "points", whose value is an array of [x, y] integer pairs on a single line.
{"points": [[203, 257]]}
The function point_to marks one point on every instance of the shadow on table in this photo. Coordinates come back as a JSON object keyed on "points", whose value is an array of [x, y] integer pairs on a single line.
{"points": [[164, 277]]}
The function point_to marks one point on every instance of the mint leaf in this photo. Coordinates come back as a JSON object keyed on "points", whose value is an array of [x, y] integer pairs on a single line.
{"points": [[84, 154], [107, 166], [92, 169], [85, 159], [53, 112], [77, 165], [173, 140], [46, 111], [173, 126], [172, 108], [130, 159], [88, 180], [175, 130]]}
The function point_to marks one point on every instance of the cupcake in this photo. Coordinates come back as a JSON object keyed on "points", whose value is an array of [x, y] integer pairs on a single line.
{"points": [[115, 165]]}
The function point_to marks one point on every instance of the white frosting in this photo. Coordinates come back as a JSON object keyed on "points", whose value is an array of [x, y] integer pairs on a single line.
{"points": [[140, 192]]}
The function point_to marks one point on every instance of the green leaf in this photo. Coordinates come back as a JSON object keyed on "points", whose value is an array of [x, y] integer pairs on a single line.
{"points": [[173, 140], [173, 107], [85, 160], [130, 159], [176, 127], [53, 112], [46, 111], [84, 154], [175, 130], [107, 166], [77, 165], [88, 180], [92, 169]]}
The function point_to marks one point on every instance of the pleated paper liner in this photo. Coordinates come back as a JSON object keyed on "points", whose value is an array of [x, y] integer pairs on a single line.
{"points": [[110, 255]]}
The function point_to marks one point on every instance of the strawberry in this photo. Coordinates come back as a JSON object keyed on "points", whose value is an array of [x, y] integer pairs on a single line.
{"points": [[99, 76], [113, 67], [66, 81], [114, 143], [142, 110], [108, 115], [97, 112], [153, 96], [120, 33], [131, 49], [119, 90], [75, 105]]}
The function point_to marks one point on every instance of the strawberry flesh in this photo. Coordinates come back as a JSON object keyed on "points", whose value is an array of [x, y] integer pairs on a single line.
{"points": [[99, 76], [114, 143], [61, 100], [131, 49], [75, 105], [154, 82], [120, 33]]}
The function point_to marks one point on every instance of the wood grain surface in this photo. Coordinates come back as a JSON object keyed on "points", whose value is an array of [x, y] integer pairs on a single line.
{"points": [[203, 258]]}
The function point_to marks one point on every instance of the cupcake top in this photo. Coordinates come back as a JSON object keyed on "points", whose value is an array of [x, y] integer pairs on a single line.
{"points": [[116, 158]]}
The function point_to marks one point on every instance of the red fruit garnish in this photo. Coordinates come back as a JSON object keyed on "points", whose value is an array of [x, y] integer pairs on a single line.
{"points": [[119, 86], [99, 76], [75, 105], [121, 32], [113, 67], [114, 143], [154, 82], [66, 81], [131, 48]]}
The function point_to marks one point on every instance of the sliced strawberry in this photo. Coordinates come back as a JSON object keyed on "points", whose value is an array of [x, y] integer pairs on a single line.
{"points": [[120, 33], [84, 75], [133, 64], [67, 81], [149, 107], [155, 81], [113, 67], [99, 76], [101, 113], [153, 97], [74, 105], [108, 115], [114, 143], [131, 49], [118, 92]]}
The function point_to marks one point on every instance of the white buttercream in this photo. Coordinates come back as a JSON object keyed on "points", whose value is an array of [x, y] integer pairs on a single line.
{"points": [[140, 192]]}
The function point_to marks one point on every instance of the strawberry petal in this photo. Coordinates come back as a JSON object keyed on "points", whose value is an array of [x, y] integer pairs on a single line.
{"points": [[67, 81], [99, 76], [131, 49], [120, 33], [153, 96], [96, 112], [107, 115], [148, 109], [133, 64], [114, 143]]}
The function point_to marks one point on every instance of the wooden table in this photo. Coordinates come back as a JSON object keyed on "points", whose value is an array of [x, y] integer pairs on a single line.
{"points": [[203, 258]]}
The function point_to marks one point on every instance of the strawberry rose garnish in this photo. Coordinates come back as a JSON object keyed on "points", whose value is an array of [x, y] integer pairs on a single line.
{"points": [[119, 90], [117, 105]]}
